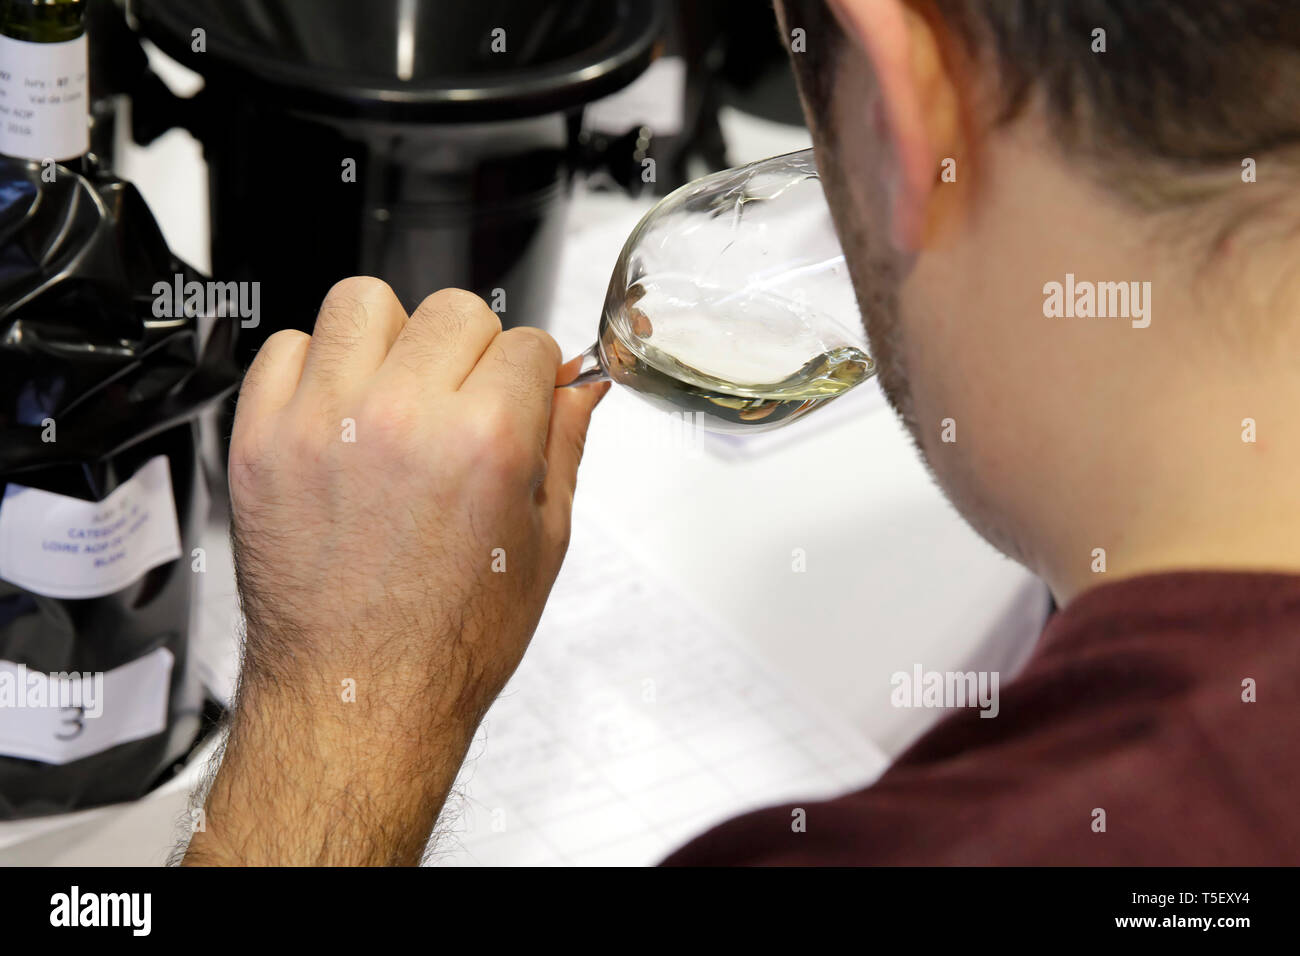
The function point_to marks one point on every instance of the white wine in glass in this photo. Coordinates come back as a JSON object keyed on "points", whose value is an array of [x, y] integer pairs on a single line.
{"points": [[732, 298]]}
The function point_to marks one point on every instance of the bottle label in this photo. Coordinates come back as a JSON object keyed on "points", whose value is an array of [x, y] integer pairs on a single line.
{"points": [[63, 547], [61, 717], [44, 99]]}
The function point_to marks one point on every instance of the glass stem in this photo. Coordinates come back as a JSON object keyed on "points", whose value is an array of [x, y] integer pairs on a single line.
{"points": [[591, 369]]}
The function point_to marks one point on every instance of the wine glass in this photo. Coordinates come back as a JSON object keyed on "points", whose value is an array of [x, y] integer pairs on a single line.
{"points": [[731, 298]]}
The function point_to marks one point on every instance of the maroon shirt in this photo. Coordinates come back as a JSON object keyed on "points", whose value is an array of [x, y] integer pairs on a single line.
{"points": [[1132, 703]]}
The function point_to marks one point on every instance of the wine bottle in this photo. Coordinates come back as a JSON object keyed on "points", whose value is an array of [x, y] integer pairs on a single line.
{"points": [[44, 80], [102, 493]]}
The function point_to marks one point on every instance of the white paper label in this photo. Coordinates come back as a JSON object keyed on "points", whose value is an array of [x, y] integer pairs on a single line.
{"points": [[64, 547], [44, 99], [63, 717]]}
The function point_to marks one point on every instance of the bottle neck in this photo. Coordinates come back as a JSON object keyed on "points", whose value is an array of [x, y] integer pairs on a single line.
{"points": [[44, 80]]}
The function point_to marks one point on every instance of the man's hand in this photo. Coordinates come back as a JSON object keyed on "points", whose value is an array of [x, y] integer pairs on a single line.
{"points": [[401, 490]]}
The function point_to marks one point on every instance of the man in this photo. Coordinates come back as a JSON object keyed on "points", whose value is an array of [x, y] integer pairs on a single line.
{"points": [[1072, 230]]}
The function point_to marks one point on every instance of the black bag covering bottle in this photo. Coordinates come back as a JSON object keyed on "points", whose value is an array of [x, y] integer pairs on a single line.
{"points": [[102, 496]]}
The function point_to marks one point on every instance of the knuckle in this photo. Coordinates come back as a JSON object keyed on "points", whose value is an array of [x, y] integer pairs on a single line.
{"points": [[349, 307], [361, 289], [458, 311], [497, 441], [532, 345], [529, 359], [284, 340], [454, 299], [387, 424], [338, 323], [493, 426], [277, 345]]}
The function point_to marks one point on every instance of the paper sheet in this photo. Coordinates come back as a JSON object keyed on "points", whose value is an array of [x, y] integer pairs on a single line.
{"points": [[633, 724]]}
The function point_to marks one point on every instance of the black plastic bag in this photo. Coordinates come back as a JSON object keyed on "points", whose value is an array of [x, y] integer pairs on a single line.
{"points": [[97, 396]]}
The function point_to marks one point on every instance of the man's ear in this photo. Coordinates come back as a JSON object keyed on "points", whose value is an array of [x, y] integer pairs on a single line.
{"points": [[918, 97]]}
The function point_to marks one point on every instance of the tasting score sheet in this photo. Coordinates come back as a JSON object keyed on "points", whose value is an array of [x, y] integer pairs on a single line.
{"points": [[633, 724]]}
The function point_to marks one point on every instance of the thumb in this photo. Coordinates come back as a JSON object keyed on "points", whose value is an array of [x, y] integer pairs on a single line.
{"points": [[571, 410]]}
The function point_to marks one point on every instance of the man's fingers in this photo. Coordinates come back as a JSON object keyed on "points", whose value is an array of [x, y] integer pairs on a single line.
{"points": [[571, 410], [442, 341], [519, 368], [273, 377], [358, 322]]}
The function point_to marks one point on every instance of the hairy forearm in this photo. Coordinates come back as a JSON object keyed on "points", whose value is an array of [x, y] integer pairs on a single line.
{"points": [[312, 779], [370, 556]]}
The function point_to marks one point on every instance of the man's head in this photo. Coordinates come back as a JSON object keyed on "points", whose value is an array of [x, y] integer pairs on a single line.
{"points": [[1072, 226]]}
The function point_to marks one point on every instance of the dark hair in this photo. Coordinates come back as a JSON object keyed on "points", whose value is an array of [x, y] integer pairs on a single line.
{"points": [[1194, 83]]}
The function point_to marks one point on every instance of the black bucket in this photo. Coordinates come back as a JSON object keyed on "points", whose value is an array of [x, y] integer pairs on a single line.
{"points": [[460, 119]]}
